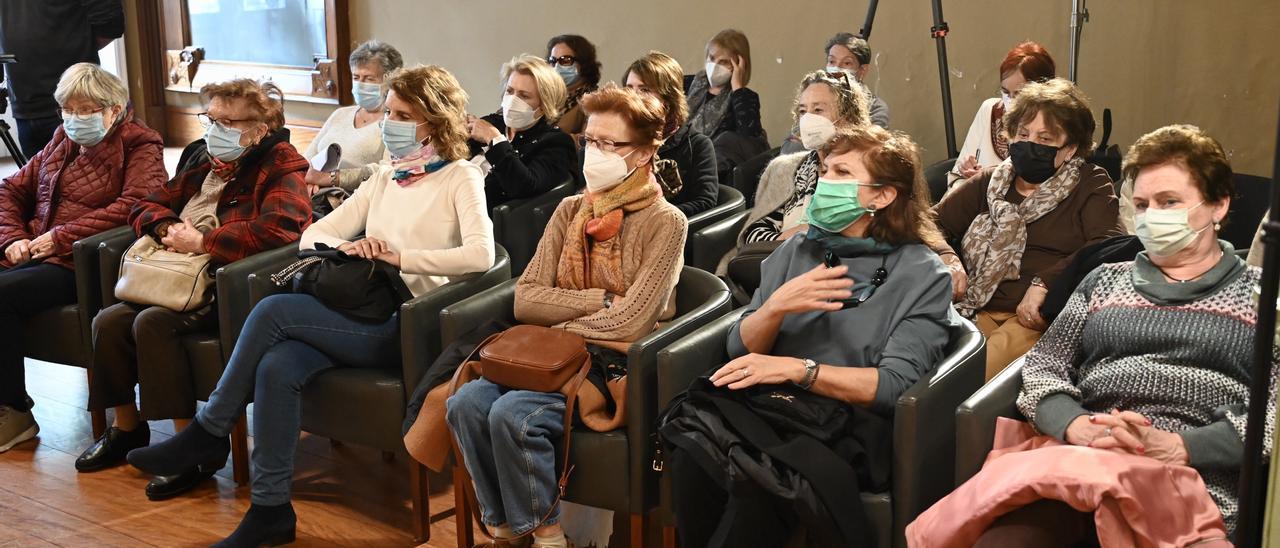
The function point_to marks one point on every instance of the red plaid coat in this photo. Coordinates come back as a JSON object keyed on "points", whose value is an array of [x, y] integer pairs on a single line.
{"points": [[78, 192], [263, 207]]}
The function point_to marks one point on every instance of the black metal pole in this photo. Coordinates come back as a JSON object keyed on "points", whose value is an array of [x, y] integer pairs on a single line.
{"points": [[940, 31], [1253, 473], [1079, 16], [865, 31]]}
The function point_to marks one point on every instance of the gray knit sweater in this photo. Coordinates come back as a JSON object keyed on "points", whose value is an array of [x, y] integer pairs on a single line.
{"points": [[1179, 354]]}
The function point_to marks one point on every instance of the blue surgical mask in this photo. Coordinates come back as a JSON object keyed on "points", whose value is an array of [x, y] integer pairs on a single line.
{"points": [[85, 130], [569, 74], [368, 95], [400, 137], [223, 142]]}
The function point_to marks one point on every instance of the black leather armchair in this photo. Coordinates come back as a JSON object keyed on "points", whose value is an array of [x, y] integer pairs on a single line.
{"points": [[373, 400], [936, 176], [208, 353], [518, 224], [709, 231], [613, 469], [746, 176], [63, 334], [976, 419], [922, 436]]}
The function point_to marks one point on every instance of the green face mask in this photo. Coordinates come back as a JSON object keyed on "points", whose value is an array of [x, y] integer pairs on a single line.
{"points": [[834, 205]]}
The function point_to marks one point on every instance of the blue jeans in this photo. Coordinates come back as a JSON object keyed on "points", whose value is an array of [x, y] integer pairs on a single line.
{"points": [[508, 440], [287, 340]]}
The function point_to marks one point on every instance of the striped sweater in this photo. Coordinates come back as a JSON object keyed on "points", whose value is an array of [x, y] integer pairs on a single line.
{"points": [[1176, 353]]}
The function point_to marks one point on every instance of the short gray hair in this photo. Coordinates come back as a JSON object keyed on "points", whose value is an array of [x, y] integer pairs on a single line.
{"points": [[90, 82], [376, 51]]}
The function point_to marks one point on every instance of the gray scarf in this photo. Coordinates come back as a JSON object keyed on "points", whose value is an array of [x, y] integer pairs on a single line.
{"points": [[708, 110]]}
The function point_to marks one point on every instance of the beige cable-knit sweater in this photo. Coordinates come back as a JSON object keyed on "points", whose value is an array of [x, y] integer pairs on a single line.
{"points": [[652, 241]]}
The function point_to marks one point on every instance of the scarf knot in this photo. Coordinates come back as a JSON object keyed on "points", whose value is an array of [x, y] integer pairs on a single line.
{"points": [[411, 168]]}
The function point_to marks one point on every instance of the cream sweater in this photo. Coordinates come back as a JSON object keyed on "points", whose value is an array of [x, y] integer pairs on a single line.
{"points": [[977, 143], [439, 224]]}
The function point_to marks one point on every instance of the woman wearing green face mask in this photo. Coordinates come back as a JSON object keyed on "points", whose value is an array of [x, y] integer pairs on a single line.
{"points": [[887, 299]]}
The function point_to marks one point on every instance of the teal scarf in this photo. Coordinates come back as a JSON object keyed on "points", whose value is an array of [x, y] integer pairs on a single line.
{"points": [[844, 246]]}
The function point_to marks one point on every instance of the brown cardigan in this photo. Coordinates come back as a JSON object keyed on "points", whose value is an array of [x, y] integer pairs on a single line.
{"points": [[652, 241], [1090, 213]]}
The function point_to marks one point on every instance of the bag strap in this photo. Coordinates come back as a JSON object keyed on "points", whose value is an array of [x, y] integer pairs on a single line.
{"points": [[571, 396]]}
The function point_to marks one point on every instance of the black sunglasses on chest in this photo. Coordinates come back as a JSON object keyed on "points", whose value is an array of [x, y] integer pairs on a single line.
{"points": [[861, 290]]}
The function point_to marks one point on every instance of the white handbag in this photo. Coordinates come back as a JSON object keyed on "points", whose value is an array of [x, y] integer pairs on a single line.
{"points": [[153, 275]]}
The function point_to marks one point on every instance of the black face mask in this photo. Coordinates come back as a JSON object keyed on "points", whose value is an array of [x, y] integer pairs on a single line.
{"points": [[1033, 161]]}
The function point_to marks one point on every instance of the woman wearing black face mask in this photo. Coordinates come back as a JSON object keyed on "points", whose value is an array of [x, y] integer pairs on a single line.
{"points": [[1018, 223]]}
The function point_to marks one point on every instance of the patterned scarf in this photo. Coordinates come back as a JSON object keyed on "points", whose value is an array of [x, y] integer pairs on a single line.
{"points": [[706, 110], [999, 141], [575, 95], [417, 165], [995, 241], [591, 237], [224, 170]]}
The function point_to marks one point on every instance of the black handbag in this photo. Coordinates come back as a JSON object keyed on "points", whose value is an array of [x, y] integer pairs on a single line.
{"points": [[365, 290]]}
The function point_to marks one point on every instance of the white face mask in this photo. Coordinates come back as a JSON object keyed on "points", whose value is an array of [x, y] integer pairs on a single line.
{"points": [[604, 170], [517, 114], [815, 130], [1006, 100], [852, 74], [717, 75], [1166, 231]]}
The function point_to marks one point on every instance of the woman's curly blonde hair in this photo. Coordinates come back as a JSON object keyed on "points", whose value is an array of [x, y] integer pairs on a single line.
{"points": [[435, 95]]}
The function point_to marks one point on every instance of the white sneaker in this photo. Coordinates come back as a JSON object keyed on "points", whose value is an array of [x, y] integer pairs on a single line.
{"points": [[16, 427]]}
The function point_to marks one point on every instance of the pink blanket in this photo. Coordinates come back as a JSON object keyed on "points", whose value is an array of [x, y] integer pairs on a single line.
{"points": [[1137, 501]]}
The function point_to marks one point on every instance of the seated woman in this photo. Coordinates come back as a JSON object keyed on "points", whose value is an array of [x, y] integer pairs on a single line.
{"points": [[862, 274], [99, 164], [423, 214], [527, 155], [355, 128], [574, 58], [848, 53], [658, 75], [987, 144], [606, 269], [721, 106], [239, 191], [1148, 365], [1019, 223]]}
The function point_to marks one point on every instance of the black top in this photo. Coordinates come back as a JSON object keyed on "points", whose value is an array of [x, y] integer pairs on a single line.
{"points": [[695, 158], [743, 114], [48, 36], [533, 162]]}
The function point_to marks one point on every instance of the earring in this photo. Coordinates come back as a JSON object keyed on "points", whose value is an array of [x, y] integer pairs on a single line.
{"points": [[1217, 226], [872, 211]]}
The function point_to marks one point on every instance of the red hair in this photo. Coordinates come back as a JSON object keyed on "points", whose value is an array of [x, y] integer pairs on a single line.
{"points": [[1031, 59]]}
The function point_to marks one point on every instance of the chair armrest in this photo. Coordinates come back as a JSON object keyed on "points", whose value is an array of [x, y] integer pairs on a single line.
{"points": [[493, 304], [728, 201], [923, 433], [235, 299], [84, 254], [420, 317], [976, 419], [110, 252], [708, 245]]}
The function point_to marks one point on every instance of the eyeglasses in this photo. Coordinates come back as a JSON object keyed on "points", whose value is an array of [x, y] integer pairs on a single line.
{"points": [[206, 120], [67, 113], [563, 60], [861, 290], [603, 144]]}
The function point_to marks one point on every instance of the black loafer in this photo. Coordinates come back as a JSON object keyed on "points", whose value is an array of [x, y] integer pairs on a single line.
{"points": [[111, 448], [167, 487]]}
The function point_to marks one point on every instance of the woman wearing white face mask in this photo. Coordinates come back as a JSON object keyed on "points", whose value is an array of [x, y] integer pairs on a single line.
{"points": [[850, 54], [355, 128], [721, 106], [1148, 364], [986, 145], [526, 153]]}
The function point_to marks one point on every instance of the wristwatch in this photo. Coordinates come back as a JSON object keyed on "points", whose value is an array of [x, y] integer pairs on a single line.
{"points": [[1037, 282], [608, 301], [810, 373]]}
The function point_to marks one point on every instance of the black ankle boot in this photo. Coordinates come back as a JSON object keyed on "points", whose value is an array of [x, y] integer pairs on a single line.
{"points": [[192, 447], [263, 525]]}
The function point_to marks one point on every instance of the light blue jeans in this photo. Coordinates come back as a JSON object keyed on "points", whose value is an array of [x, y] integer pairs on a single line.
{"points": [[508, 440], [286, 341]]}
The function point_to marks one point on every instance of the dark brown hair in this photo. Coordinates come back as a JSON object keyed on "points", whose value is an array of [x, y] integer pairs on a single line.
{"points": [[643, 113], [1190, 147], [1065, 109], [892, 159], [584, 51]]}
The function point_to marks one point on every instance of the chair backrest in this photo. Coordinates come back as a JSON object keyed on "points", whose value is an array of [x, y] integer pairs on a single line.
{"points": [[936, 176], [728, 202], [1247, 209], [518, 228], [976, 419], [746, 177]]}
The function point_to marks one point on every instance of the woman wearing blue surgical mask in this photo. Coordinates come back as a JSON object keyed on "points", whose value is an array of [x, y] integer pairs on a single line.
{"points": [[863, 275], [422, 213], [526, 155], [355, 128], [1019, 223], [721, 106], [83, 182], [574, 59], [850, 54]]}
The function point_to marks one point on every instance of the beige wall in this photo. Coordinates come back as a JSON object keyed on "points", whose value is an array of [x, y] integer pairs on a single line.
{"points": [[1153, 62]]}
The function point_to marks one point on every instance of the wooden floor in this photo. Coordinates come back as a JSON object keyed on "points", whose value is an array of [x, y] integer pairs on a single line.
{"points": [[344, 496]]}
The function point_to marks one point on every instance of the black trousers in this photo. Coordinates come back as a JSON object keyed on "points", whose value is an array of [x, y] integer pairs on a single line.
{"points": [[136, 345], [760, 519], [25, 291], [1047, 523]]}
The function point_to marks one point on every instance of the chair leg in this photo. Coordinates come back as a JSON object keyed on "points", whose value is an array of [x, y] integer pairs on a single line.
{"points": [[240, 451], [668, 536], [462, 509], [418, 487], [637, 530]]}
